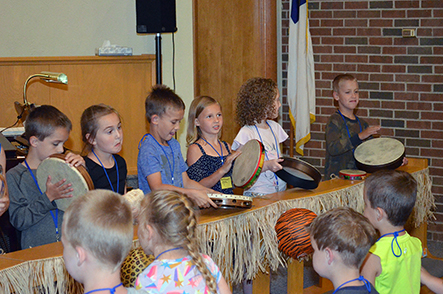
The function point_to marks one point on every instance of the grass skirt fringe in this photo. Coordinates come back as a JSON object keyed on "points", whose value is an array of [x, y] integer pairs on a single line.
{"points": [[241, 245]]}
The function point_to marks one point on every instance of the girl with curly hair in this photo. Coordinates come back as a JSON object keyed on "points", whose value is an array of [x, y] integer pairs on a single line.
{"points": [[258, 103]]}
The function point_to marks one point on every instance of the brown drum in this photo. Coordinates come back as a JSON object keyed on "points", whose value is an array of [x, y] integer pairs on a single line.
{"points": [[231, 201], [248, 164], [379, 153], [299, 173], [56, 167]]}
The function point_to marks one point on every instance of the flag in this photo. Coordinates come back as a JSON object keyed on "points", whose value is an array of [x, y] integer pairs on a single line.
{"points": [[301, 78]]}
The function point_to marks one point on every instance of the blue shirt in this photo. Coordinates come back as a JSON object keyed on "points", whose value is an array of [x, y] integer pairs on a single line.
{"points": [[152, 159]]}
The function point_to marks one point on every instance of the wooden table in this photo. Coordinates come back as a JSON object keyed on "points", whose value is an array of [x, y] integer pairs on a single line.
{"points": [[241, 241]]}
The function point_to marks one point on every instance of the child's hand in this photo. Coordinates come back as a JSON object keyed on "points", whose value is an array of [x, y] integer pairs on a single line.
{"points": [[228, 162], [74, 159], [58, 190], [405, 161], [371, 130], [201, 198], [272, 165]]}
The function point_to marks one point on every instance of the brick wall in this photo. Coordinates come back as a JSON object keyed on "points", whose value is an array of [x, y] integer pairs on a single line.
{"points": [[400, 79]]}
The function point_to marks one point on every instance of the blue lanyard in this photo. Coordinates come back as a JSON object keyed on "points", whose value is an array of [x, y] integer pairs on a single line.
{"points": [[221, 148], [54, 217], [266, 152], [106, 173], [172, 249], [166, 155], [112, 290], [395, 239], [361, 278], [346, 125]]}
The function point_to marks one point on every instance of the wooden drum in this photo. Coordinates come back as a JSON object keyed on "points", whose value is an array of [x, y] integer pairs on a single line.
{"points": [[56, 167], [379, 153], [248, 164], [299, 173], [352, 174]]}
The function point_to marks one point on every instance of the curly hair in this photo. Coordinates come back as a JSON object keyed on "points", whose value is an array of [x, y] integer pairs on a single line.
{"points": [[255, 101]]}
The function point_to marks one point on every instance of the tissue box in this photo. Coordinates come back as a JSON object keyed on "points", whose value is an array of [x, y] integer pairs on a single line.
{"points": [[113, 51]]}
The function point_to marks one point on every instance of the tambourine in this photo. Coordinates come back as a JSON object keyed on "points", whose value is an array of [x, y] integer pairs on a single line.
{"points": [[56, 167], [248, 164], [293, 238], [228, 201], [379, 153], [299, 173], [352, 174]]}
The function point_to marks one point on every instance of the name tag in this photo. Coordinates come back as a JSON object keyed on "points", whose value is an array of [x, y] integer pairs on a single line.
{"points": [[226, 182]]}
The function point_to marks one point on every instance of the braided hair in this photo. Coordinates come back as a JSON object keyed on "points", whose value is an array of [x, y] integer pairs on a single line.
{"points": [[173, 217]]}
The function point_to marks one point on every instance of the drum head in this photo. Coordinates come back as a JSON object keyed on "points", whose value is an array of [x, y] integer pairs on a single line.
{"points": [[379, 153], [299, 173], [58, 169], [248, 164]]}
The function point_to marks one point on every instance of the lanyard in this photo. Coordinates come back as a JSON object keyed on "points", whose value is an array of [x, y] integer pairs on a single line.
{"points": [[346, 125], [266, 152], [172, 249], [221, 148], [166, 155], [395, 239], [106, 173], [361, 278], [112, 290], [54, 217]]}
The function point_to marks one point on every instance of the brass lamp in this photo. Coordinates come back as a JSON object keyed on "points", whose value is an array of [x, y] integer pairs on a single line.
{"points": [[50, 77]]}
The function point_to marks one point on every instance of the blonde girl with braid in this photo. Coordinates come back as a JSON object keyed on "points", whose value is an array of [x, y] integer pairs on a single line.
{"points": [[167, 224]]}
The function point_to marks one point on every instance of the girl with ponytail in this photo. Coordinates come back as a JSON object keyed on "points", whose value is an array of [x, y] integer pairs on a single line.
{"points": [[167, 224]]}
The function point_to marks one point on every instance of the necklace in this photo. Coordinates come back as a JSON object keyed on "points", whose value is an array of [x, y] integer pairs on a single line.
{"points": [[221, 148], [54, 217], [172, 249], [106, 173], [361, 278], [346, 125], [395, 239], [172, 169], [112, 290]]}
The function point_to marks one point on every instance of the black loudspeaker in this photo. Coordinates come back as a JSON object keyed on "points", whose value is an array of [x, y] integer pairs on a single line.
{"points": [[156, 16]]}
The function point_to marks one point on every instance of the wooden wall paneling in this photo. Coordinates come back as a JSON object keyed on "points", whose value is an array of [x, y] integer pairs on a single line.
{"points": [[233, 41], [121, 82]]}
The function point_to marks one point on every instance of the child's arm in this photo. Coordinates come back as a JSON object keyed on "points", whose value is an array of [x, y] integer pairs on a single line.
{"points": [[200, 197], [433, 283], [223, 286], [272, 165], [194, 154], [197, 192], [371, 268], [369, 131]]}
